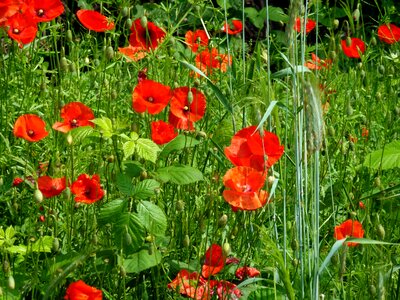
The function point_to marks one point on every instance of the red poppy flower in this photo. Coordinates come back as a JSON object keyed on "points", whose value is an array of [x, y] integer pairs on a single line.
{"points": [[207, 60], [79, 290], [22, 28], [75, 114], [249, 148], [30, 127], [349, 228], [196, 39], [188, 105], [133, 53], [389, 33], [225, 290], [151, 96], [162, 132], [94, 20], [299, 25], [361, 205], [316, 63], [235, 28], [87, 190], [51, 187], [17, 181], [353, 50], [214, 261], [244, 188], [147, 38], [46, 10], [246, 272], [184, 124], [188, 284]]}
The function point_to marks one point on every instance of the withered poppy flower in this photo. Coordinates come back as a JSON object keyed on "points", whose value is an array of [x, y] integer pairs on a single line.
{"points": [[196, 39], [87, 190], [80, 290], [214, 261], [133, 53], [316, 63], [355, 47], [246, 272], [51, 187], [75, 114], [244, 188], [299, 25], [349, 228], [235, 28], [189, 105], [389, 33], [22, 28], [249, 148], [151, 96], [207, 60], [46, 10], [147, 38], [94, 20], [162, 132], [30, 127]]}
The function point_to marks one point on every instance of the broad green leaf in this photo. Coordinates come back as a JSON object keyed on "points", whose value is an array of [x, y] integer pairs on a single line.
{"points": [[105, 124], [80, 133], [180, 142], [17, 249], [255, 18], [147, 149], [180, 174], [387, 158], [141, 261], [128, 232], [145, 189], [124, 184], [110, 211], [224, 4], [43, 244], [132, 168], [129, 148], [152, 217], [10, 233], [275, 14]]}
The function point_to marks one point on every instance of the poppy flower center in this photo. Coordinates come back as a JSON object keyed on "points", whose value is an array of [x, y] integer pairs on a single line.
{"points": [[40, 12], [186, 108], [16, 30], [246, 188], [74, 123], [31, 133], [150, 99]]}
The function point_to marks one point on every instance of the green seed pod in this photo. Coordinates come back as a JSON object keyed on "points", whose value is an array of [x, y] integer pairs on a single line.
{"points": [[125, 11], [56, 245], [109, 52], [128, 23], [377, 182], [64, 64], [186, 241], [336, 24], [143, 21], [69, 35], [38, 196], [223, 220], [6, 266], [380, 231], [373, 41], [11, 282], [226, 249]]}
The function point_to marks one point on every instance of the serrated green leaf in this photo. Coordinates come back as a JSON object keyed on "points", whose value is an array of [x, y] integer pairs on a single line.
{"points": [[105, 124], [17, 249], [387, 158], [110, 211], [80, 133], [141, 261], [43, 244], [10, 233], [129, 148], [180, 142], [128, 227], [145, 189], [180, 174], [152, 217], [124, 184], [147, 149], [134, 136]]}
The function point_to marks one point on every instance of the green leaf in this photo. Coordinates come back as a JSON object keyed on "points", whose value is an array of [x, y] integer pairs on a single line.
{"points": [[10, 233], [290, 71], [128, 232], [106, 126], [180, 174], [80, 133], [147, 149], [141, 261], [180, 142], [129, 148], [17, 249], [111, 211], [43, 244], [124, 184], [145, 189], [387, 158], [224, 4], [152, 217], [275, 14], [255, 17]]}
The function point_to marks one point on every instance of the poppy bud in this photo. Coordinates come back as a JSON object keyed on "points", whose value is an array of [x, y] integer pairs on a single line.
{"points": [[356, 15], [223, 220], [294, 244], [114, 94], [176, 85], [67, 193], [143, 21], [11, 282], [335, 24], [56, 245], [86, 60], [359, 65], [125, 11], [109, 52], [69, 35], [202, 134], [380, 231], [348, 41], [378, 96], [226, 249], [143, 174], [377, 182], [6, 266], [271, 180], [373, 41], [1, 292], [64, 64], [96, 62], [396, 110], [333, 55], [69, 138], [122, 271], [43, 86], [349, 109], [94, 239], [190, 97], [72, 68], [180, 205], [38, 196], [295, 262], [149, 239], [128, 23], [372, 290], [127, 238], [381, 69], [186, 241], [1, 181], [331, 131]]}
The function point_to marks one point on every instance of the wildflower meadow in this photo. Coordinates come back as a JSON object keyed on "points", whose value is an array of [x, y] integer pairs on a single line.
{"points": [[199, 149]]}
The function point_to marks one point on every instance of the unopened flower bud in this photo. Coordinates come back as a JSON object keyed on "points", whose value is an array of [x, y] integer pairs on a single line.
{"points": [[356, 15], [186, 241], [377, 182], [127, 238], [64, 64], [226, 249], [6, 266], [38, 196], [335, 24], [349, 109], [223, 220], [373, 41], [69, 138], [11, 282], [125, 11], [69, 35], [380, 231], [128, 23], [294, 244], [180, 205], [190, 97], [271, 179], [143, 21], [378, 96], [109, 52], [55, 245], [348, 41], [122, 271]]}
